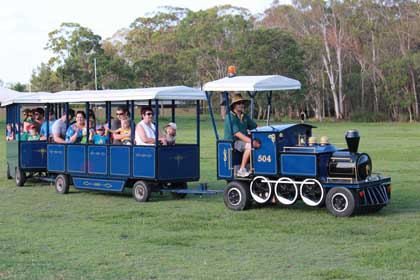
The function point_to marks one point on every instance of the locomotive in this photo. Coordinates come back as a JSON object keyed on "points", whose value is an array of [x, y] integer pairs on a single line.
{"points": [[290, 164], [287, 164]]}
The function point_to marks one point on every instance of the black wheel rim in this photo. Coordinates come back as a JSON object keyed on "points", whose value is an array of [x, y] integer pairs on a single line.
{"points": [[286, 190], [261, 189], [234, 196], [311, 192], [339, 202]]}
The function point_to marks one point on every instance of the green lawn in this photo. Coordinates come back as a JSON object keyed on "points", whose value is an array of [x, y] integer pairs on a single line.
{"points": [[92, 235]]}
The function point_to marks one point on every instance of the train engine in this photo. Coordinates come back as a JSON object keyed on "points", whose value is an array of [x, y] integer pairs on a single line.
{"points": [[291, 165]]}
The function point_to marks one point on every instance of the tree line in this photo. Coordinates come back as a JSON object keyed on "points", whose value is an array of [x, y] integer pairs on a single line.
{"points": [[356, 60]]}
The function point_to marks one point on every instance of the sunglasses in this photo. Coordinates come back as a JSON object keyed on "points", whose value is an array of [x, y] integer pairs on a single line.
{"points": [[120, 114], [149, 114]]}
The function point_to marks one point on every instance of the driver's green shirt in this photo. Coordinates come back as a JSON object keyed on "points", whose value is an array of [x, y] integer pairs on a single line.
{"points": [[239, 124]]}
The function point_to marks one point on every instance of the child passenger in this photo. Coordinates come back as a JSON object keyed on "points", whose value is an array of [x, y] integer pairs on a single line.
{"points": [[33, 133], [10, 135], [123, 133], [100, 137], [170, 130]]}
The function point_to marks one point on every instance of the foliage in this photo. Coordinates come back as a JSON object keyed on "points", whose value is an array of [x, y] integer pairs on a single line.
{"points": [[19, 87], [369, 117]]}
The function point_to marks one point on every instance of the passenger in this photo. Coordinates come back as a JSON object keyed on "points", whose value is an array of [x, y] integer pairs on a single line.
{"points": [[39, 116], [23, 136], [74, 133], [123, 134], [91, 131], [10, 135], [33, 134], [27, 120], [170, 135], [241, 124], [59, 128], [27, 115], [122, 114], [43, 132], [145, 130], [92, 121], [101, 136]]}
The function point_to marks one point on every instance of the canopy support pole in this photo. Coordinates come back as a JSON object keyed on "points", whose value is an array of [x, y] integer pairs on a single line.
{"points": [[173, 111], [132, 122], [208, 96], [269, 95], [156, 122], [252, 95], [228, 114], [197, 109]]}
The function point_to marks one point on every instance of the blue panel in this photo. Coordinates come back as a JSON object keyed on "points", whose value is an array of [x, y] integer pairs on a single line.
{"points": [[33, 154], [97, 159], [178, 162], [97, 184], [323, 165], [265, 158], [224, 159], [119, 159], [298, 165], [76, 158], [56, 158], [144, 162]]}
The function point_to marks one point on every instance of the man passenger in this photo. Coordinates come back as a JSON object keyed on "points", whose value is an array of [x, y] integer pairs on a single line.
{"points": [[241, 126], [59, 127], [43, 132]]}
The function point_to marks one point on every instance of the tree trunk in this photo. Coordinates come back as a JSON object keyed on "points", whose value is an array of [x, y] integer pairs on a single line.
{"points": [[362, 81], [375, 89], [326, 59], [414, 91]]}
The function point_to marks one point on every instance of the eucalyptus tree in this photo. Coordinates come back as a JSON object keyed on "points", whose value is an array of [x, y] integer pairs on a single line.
{"points": [[74, 47], [271, 51]]}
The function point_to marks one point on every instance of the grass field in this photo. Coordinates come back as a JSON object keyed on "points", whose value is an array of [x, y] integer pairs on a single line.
{"points": [[92, 235]]}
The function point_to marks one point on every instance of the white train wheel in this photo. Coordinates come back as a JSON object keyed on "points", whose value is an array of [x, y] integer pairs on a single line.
{"points": [[286, 191], [312, 192], [260, 189]]}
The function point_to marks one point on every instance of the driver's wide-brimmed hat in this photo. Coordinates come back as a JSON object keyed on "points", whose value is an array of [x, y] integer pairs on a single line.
{"points": [[237, 97]]}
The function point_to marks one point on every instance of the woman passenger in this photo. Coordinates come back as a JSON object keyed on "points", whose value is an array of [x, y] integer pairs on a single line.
{"points": [[74, 133], [145, 130]]}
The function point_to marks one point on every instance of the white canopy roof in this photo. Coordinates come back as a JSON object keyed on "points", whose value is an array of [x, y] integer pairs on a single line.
{"points": [[6, 94], [25, 98], [253, 83], [160, 93]]}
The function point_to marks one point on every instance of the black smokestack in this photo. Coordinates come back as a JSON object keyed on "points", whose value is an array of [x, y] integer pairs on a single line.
{"points": [[352, 139]]}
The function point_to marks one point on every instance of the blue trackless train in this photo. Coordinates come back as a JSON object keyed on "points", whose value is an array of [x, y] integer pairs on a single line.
{"points": [[288, 164]]}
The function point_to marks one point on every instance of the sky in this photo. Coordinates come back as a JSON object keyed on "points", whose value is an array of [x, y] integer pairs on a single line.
{"points": [[25, 24]]}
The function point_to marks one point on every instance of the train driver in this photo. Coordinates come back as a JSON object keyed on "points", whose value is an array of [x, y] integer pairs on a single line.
{"points": [[241, 126]]}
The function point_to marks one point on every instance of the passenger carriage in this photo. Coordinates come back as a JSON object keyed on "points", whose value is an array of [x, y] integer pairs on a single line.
{"points": [[288, 166], [145, 168]]}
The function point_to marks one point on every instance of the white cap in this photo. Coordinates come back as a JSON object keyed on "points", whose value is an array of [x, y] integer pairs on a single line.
{"points": [[171, 124]]}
